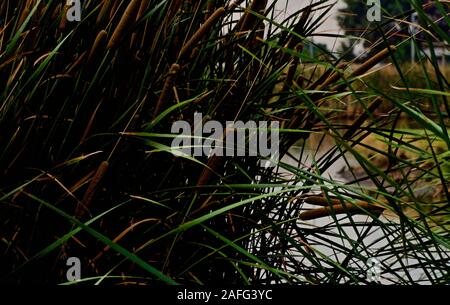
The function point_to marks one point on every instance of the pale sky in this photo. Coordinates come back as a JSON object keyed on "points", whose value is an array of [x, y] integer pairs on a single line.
{"points": [[330, 26]]}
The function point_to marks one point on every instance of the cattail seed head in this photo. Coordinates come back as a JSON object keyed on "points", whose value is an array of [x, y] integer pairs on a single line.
{"points": [[128, 18], [83, 207], [202, 31], [99, 45]]}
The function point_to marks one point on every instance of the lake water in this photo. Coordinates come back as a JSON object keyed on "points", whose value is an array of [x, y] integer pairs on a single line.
{"points": [[371, 241]]}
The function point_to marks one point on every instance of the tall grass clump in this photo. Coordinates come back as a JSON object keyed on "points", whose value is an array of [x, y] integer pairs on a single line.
{"points": [[87, 169]]}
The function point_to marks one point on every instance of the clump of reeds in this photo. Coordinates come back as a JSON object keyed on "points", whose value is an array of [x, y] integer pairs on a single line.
{"points": [[115, 82]]}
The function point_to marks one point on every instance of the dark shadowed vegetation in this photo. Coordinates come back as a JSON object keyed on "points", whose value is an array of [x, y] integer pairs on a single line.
{"points": [[87, 170]]}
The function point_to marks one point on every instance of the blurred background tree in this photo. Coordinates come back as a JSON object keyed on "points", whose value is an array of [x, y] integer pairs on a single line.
{"points": [[352, 19]]}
